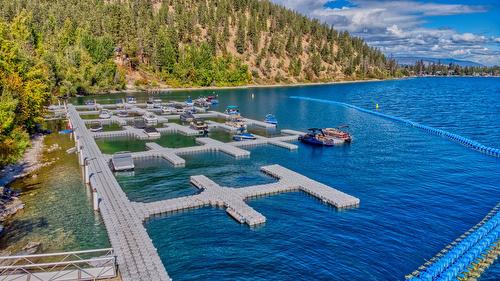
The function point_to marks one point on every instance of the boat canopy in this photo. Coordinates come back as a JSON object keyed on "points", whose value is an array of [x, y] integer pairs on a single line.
{"points": [[232, 107]]}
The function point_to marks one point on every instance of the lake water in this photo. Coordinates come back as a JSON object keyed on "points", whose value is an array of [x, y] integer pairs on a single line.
{"points": [[418, 192]]}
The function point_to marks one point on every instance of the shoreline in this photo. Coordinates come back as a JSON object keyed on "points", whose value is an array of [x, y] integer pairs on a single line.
{"points": [[30, 163], [249, 86], [263, 86]]}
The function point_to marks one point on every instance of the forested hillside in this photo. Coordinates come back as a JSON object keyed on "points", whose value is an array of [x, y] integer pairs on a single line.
{"points": [[50, 48]]}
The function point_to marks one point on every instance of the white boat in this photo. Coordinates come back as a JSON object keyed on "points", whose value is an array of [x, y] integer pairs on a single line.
{"points": [[122, 113], [202, 102], [131, 100], [150, 119], [104, 114], [152, 132], [168, 110], [95, 127], [157, 103], [238, 124]]}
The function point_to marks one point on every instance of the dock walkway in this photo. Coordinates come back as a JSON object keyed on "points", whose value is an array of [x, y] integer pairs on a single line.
{"points": [[137, 258], [233, 199]]}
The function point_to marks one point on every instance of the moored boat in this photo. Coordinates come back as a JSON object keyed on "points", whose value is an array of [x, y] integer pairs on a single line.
{"points": [[150, 104], [337, 133], [95, 126], [187, 116], [151, 132], [271, 119], [244, 136], [157, 103], [168, 109], [233, 111], [213, 99], [150, 119], [131, 100], [122, 113], [105, 114], [316, 136], [189, 102], [202, 102], [199, 125]]}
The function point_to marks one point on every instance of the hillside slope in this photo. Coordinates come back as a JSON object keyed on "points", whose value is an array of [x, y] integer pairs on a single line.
{"points": [[195, 43]]}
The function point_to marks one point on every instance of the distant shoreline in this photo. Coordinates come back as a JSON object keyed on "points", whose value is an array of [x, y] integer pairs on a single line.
{"points": [[250, 86], [255, 86]]}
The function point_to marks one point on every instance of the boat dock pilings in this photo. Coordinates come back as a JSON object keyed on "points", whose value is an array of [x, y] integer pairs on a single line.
{"points": [[454, 260], [490, 151]]}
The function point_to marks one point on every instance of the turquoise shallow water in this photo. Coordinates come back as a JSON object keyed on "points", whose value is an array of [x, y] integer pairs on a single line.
{"points": [[418, 192]]}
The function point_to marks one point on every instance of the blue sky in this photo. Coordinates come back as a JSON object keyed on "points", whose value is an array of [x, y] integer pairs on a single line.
{"points": [[457, 29]]}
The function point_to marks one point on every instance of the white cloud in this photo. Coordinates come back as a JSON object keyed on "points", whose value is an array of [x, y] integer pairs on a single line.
{"points": [[396, 27], [468, 37]]}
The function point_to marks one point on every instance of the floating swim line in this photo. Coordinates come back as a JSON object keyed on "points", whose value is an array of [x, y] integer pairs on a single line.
{"points": [[465, 254], [491, 151]]}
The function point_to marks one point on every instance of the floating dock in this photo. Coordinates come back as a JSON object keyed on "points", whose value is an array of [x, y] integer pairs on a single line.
{"points": [[233, 199], [137, 258]]}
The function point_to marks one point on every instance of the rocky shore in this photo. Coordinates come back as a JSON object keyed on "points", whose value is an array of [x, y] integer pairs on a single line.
{"points": [[31, 162]]}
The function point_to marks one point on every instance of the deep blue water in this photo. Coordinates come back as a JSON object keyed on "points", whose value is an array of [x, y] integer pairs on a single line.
{"points": [[418, 192]]}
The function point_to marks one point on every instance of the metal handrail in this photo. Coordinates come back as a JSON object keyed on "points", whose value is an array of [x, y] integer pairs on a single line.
{"points": [[68, 262], [61, 263], [58, 254]]}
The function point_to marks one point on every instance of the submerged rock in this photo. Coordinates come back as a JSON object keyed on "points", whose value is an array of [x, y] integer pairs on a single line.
{"points": [[30, 248]]}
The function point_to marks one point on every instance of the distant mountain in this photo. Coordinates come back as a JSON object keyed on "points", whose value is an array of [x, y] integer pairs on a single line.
{"points": [[427, 61]]}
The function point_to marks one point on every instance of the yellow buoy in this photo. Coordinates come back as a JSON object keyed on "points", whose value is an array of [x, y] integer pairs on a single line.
{"points": [[376, 106]]}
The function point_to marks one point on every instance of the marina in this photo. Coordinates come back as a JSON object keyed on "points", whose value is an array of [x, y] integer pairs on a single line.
{"points": [[119, 213], [380, 168]]}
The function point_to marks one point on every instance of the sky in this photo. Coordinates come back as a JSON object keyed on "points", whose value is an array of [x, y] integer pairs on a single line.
{"points": [[459, 29]]}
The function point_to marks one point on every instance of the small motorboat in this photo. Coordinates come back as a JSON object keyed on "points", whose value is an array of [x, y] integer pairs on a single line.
{"points": [[179, 109], [189, 102], [202, 102], [90, 102], [131, 100], [187, 116], [199, 125], [96, 127], [236, 123], [157, 103], [244, 136], [316, 136], [139, 123], [168, 110], [105, 114], [152, 132], [233, 110], [150, 104], [150, 119], [213, 100], [337, 133], [271, 119], [122, 113], [119, 103]]}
